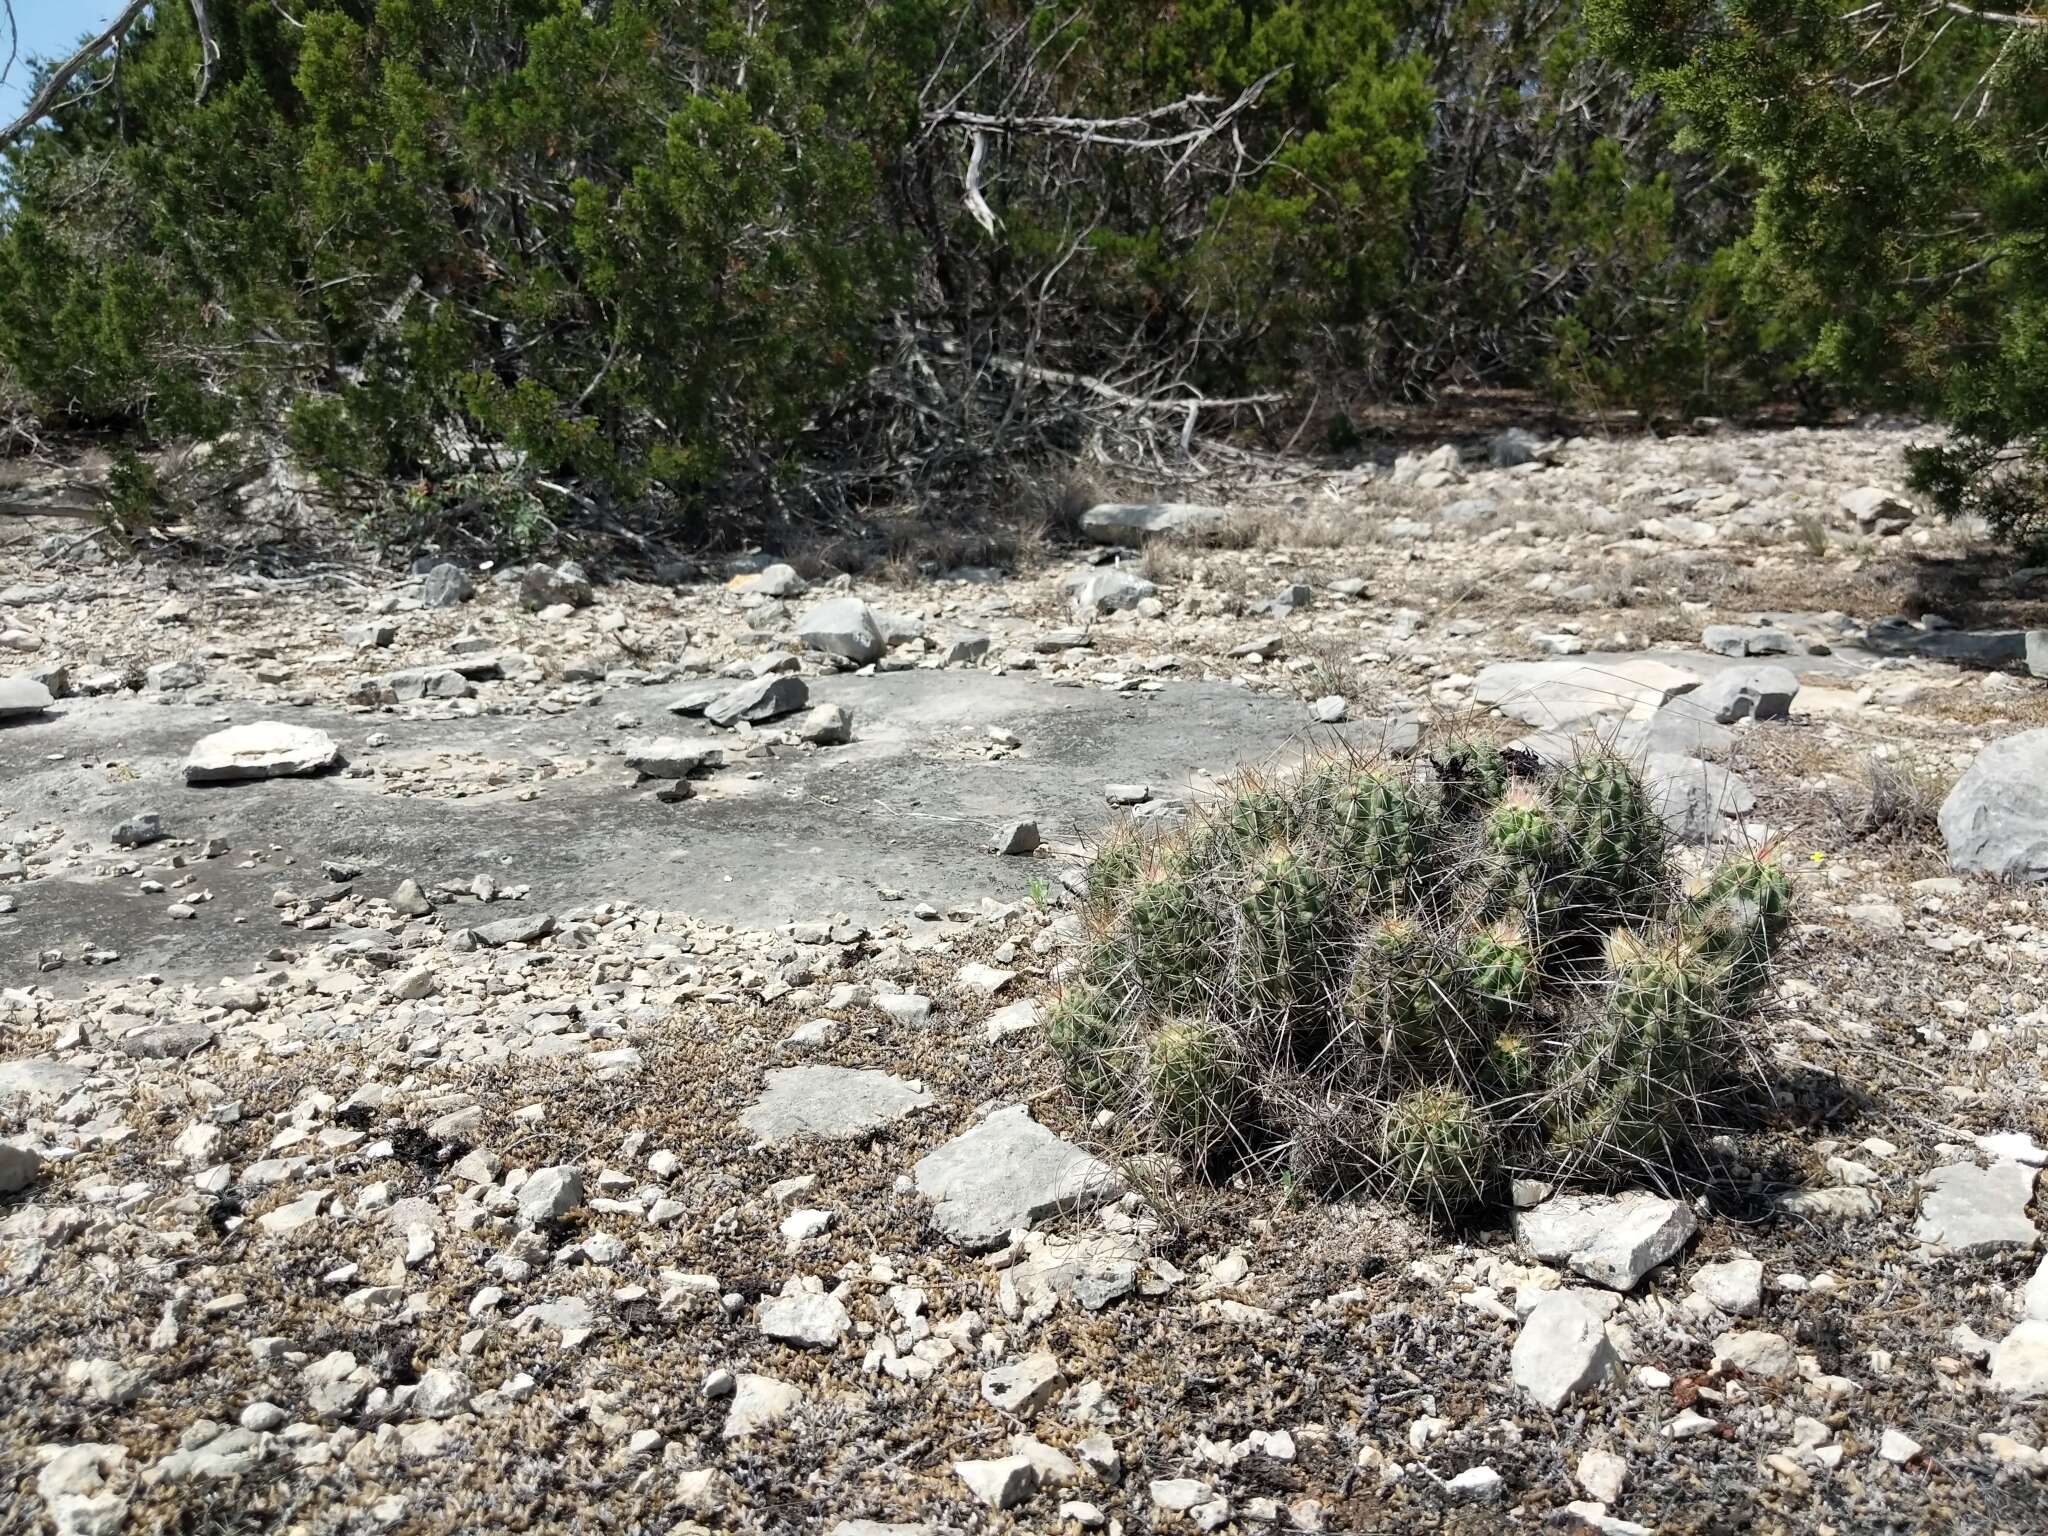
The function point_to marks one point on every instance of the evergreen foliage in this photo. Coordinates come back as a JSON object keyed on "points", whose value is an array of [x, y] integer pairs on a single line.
{"points": [[474, 257], [1900, 238]]}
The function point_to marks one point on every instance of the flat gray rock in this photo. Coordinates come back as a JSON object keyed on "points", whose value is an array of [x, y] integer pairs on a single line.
{"points": [[1995, 821], [1876, 509], [22, 696], [836, 1103], [671, 757], [845, 627], [523, 929], [758, 1403], [1968, 1209], [1114, 522], [772, 581], [1611, 1240], [2019, 1366], [19, 1167], [412, 684], [445, 586], [1763, 692], [1694, 798], [1745, 640], [695, 698], [266, 749], [1009, 1172], [39, 1080], [766, 698], [167, 1042], [1553, 694], [1679, 729]]}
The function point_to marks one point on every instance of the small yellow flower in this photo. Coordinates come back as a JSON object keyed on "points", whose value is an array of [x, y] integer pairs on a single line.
{"points": [[1818, 858]]}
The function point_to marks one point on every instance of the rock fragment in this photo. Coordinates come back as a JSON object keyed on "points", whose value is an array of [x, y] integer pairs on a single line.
{"points": [[1562, 1351], [1612, 1241], [1995, 820], [22, 696], [266, 749], [1006, 1173], [1968, 1209], [833, 1103], [844, 627], [766, 698]]}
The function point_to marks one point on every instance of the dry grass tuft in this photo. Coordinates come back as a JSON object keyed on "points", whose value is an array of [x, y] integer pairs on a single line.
{"points": [[1894, 800]]}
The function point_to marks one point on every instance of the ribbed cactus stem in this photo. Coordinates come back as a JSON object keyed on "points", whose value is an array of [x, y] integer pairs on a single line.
{"points": [[1378, 828], [1437, 1147], [1287, 909], [1195, 1084], [1116, 867], [1405, 994], [1256, 815], [1084, 1031], [1523, 829], [1615, 835], [1172, 938], [1501, 972], [1632, 1083]]}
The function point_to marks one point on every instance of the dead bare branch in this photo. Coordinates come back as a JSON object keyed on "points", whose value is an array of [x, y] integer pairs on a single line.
{"points": [[117, 29]]}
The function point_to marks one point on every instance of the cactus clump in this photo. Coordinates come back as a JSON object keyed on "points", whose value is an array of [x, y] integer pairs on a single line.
{"points": [[1420, 983]]}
